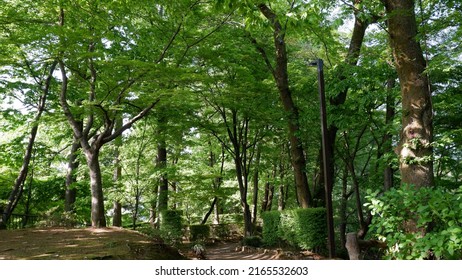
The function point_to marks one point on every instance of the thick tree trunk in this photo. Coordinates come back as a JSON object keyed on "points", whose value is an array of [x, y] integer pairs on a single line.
{"points": [[414, 149], [98, 218], [280, 74], [352, 245]]}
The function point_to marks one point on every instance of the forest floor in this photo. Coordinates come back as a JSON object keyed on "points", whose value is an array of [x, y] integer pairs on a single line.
{"points": [[82, 244], [232, 250], [121, 244]]}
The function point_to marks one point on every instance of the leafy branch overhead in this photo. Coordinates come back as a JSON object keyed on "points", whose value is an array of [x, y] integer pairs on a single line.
{"points": [[163, 115]]}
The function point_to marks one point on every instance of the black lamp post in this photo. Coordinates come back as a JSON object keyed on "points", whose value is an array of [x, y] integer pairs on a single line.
{"points": [[327, 159]]}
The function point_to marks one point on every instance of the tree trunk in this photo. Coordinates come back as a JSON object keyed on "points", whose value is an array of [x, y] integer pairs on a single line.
{"points": [[106, 130], [387, 138], [18, 186], [72, 165], [117, 176], [343, 217], [98, 218], [161, 164], [211, 209], [215, 185], [136, 208], [414, 149], [153, 216], [265, 202], [255, 186], [356, 41], [352, 245], [117, 218], [281, 197], [216, 211], [280, 74], [283, 189], [29, 196], [243, 187]]}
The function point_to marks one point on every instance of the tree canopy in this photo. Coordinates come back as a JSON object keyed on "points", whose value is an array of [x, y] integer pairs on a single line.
{"points": [[125, 110]]}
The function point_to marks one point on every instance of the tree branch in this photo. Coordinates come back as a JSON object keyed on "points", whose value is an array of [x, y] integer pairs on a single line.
{"points": [[129, 124], [76, 128], [263, 53]]}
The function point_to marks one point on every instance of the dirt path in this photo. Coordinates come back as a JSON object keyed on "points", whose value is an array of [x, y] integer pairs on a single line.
{"points": [[81, 244], [234, 251], [118, 244]]}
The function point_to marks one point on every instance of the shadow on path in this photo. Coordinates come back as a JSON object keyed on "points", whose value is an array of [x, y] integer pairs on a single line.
{"points": [[232, 251]]}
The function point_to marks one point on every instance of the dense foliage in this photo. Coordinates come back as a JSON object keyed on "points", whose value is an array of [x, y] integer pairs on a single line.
{"points": [[199, 232], [171, 226], [302, 228], [129, 109], [436, 210]]}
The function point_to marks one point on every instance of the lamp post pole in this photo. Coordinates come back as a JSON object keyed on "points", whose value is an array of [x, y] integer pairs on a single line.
{"points": [[328, 167]]}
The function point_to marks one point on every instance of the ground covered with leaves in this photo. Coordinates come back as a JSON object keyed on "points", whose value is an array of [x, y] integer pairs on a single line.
{"points": [[82, 244], [120, 244]]}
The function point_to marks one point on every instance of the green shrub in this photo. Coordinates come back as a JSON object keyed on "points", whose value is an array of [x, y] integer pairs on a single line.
{"points": [[270, 231], [311, 228], [303, 228], [57, 217], [436, 211], [287, 228], [149, 230], [171, 226], [199, 232], [221, 231], [253, 241]]}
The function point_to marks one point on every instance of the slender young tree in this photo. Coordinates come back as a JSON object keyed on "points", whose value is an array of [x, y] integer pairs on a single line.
{"points": [[18, 186], [72, 166], [281, 77], [117, 176]]}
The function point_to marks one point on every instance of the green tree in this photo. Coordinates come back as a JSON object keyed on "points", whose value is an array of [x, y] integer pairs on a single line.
{"points": [[415, 151]]}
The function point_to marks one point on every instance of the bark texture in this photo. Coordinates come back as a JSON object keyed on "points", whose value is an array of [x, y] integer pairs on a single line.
{"points": [[72, 166], [414, 149]]}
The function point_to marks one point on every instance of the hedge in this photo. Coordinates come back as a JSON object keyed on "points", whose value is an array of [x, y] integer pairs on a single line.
{"points": [[303, 228], [171, 226], [199, 232], [270, 231]]}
